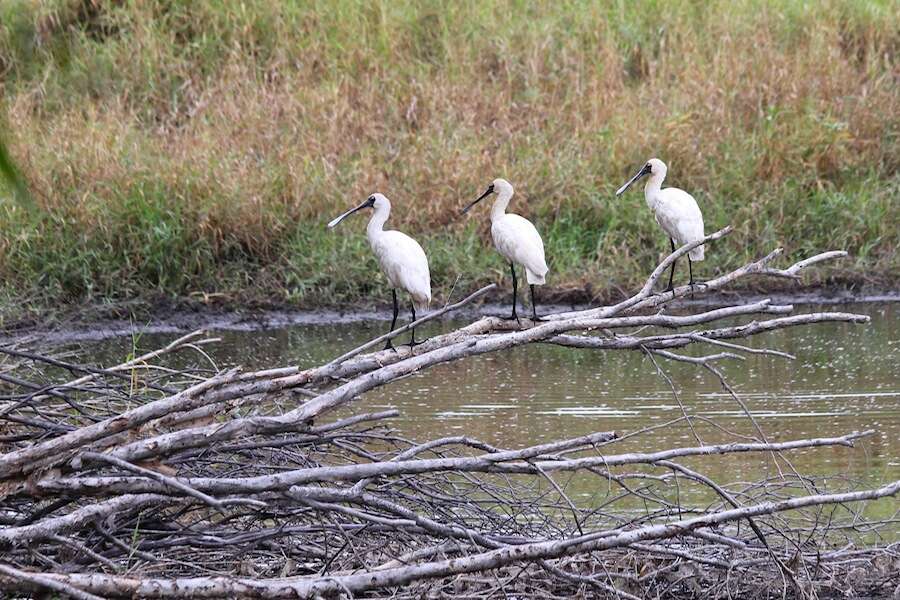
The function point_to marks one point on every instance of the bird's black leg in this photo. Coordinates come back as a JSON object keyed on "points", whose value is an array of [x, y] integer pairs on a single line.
{"points": [[691, 272], [389, 345], [515, 298], [412, 340], [534, 316], [669, 287], [514, 315]]}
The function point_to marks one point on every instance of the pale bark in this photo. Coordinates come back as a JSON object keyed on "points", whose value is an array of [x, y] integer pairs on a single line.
{"points": [[239, 485]]}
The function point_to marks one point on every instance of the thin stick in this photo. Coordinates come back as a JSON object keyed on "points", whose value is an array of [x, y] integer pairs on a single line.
{"points": [[429, 317], [169, 481]]}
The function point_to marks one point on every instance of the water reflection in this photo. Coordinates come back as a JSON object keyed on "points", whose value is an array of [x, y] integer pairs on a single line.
{"points": [[845, 378]]}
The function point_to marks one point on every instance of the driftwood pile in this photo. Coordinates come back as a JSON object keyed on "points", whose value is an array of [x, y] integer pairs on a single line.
{"points": [[148, 479]]}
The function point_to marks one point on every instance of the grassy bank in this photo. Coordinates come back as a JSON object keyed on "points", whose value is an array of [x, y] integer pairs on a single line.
{"points": [[196, 148]]}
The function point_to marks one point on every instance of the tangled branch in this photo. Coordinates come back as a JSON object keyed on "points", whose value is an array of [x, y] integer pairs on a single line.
{"points": [[149, 480]]}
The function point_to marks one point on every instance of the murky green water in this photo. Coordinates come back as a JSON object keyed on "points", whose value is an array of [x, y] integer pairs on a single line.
{"points": [[846, 378]]}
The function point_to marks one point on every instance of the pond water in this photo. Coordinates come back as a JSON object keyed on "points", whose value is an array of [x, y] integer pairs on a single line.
{"points": [[845, 378]]}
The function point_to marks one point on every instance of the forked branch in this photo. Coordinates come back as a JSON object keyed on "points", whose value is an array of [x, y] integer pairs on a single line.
{"points": [[246, 484]]}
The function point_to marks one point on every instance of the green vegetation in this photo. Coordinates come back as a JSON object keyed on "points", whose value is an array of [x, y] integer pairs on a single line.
{"points": [[197, 147]]}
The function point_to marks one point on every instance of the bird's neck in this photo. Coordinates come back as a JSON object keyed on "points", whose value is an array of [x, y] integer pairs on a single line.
{"points": [[376, 223], [500, 204], [652, 187]]}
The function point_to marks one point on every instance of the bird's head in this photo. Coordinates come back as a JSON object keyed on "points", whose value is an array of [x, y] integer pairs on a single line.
{"points": [[653, 167], [502, 187], [379, 201], [376, 201], [656, 167], [499, 186]]}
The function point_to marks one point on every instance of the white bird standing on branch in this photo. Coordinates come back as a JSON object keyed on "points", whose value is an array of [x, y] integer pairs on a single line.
{"points": [[675, 210], [516, 240], [402, 259]]}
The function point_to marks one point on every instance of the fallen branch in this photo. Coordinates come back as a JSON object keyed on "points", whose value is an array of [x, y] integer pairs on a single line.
{"points": [[186, 482]]}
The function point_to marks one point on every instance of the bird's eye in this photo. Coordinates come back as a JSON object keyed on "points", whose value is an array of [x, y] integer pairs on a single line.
{"points": [[371, 198]]}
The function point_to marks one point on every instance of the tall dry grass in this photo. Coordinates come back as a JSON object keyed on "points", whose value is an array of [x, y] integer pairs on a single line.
{"points": [[182, 147]]}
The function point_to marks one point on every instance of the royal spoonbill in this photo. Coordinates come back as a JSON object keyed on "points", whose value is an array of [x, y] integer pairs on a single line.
{"points": [[516, 240], [402, 259], [675, 210]]}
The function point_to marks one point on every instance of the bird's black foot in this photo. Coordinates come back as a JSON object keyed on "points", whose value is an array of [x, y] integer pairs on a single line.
{"points": [[699, 284], [413, 343], [512, 317], [669, 288], [389, 346], [538, 319]]}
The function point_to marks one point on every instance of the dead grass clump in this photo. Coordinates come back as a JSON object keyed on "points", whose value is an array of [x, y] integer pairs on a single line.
{"points": [[249, 124]]}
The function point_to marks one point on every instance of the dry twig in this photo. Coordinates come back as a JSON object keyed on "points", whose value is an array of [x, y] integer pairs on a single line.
{"points": [[184, 484]]}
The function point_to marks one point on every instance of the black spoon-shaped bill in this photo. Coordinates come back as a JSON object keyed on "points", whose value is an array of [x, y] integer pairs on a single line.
{"points": [[487, 192], [370, 202], [645, 170]]}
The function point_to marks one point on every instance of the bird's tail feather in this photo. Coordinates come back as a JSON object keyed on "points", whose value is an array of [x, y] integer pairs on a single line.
{"points": [[535, 279], [421, 303]]}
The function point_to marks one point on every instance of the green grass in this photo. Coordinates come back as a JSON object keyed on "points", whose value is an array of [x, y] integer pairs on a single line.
{"points": [[196, 149]]}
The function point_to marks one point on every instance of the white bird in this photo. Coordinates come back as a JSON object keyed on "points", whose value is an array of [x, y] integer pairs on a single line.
{"points": [[516, 240], [402, 259], [675, 210]]}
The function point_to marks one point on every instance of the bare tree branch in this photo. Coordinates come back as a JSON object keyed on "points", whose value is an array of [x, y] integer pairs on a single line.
{"points": [[239, 484]]}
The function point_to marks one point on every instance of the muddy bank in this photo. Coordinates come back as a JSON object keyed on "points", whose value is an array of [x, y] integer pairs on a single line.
{"points": [[97, 322]]}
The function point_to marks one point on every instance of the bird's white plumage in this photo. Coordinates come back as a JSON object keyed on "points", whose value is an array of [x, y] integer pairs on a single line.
{"points": [[402, 259], [679, 216], [515, 238], [675, 210], [404, 264]]}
